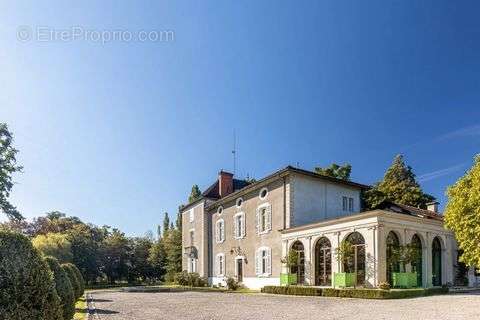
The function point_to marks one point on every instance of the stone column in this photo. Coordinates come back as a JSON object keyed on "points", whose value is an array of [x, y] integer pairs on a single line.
{"points": [[370, 256], [335, 241], [381, 251], [284, 254], [427, 261], [307, 245]]}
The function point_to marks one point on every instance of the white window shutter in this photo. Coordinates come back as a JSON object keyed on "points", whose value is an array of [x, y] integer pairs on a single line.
{"points": [[258, 262], [217, 231], [222, 235], [269, 261], [268, 218], [242, 232], [257, 221], [235, 227], [217, 262]]}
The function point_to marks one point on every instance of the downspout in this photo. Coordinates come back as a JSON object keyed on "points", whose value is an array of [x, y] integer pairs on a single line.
{"points": [[284, 203]]}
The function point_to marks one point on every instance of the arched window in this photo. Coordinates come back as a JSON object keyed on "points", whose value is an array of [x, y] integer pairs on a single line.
{"points": [[323, 262], [299, 267], [417, 265], [356, 262], [436, 262], [392, 266]]}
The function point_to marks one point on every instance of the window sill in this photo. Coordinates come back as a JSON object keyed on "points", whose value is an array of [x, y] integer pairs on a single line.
{"points": [[264, 275], [239, 238], [264, 232]]}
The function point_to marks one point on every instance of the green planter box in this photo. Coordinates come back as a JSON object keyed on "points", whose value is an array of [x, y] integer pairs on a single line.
{"points": [[344, 279], [287, 279], [404, 279]]}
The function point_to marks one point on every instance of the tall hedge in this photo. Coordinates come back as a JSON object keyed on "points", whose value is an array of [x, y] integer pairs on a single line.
{"points": [[27, 288], [64, 288], [81, 281], [72, 276]]}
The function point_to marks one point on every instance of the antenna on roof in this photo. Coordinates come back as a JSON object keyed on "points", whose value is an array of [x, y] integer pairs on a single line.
{"points": [[234, 152]]}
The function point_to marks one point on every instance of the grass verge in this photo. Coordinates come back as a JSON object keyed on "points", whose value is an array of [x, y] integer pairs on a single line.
{"points": [[81, 311]]}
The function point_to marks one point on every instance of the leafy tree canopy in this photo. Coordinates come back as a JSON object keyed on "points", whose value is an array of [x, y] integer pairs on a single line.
{"points": [[54, 244], [195, 194], [398, 185], [8, 166], [336, 171], [462, 213]]}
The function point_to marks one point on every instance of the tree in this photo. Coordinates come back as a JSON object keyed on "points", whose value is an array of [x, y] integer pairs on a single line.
{"points": [[195, 194], [55, 245], [398, 185], [157, 259], [114, 252], [462, 213], [8, 166], [166, 223], [140, 265], [173, 249], [336, 171], [27, 288], [64, 288]]}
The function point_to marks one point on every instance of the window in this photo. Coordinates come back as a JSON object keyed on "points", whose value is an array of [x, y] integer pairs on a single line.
{"points": [[192, 265], [239, 202], [192, 237], [264, 218], [220, 210], [192, 216], [263, 193], [263, 262], [239, 225], [347, 204], [220, 264], [220, 231]]}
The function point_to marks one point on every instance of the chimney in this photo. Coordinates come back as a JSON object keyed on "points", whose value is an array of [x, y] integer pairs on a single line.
{"points": [[432, 206], [225, 183]]}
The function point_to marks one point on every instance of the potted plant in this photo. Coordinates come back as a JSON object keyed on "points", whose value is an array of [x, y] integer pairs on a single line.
{"points": [[404, 255], [344, 255], [291, 259]]}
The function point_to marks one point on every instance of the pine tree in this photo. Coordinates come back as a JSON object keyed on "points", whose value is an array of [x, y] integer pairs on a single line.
{"points": [[166, 223], [398, 185], [195, 194]]}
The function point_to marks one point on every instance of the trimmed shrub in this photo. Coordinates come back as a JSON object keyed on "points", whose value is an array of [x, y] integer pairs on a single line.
{"points": [[72, 276], [354, 293], [81, 281], [293, 290], [232, 284], [191, 279], [64, 288], [27, 288]]}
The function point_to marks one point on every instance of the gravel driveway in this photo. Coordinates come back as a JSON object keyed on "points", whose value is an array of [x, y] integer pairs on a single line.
{"points": [[213, 305]]}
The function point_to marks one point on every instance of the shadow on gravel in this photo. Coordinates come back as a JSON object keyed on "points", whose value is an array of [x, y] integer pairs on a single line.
{"points": [[101, 311], [100, 300]]}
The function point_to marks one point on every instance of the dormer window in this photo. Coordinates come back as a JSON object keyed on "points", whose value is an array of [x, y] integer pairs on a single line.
{"points": [[239, 202]]}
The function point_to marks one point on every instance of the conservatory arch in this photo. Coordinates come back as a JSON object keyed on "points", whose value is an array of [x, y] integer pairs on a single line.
{"points": [[355, 263], [299, 267], [393, 243], [436, 262], [323, 262], [417, 266]]}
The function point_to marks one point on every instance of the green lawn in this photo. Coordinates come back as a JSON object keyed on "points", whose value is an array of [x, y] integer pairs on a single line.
{"points": [[81, 311]]}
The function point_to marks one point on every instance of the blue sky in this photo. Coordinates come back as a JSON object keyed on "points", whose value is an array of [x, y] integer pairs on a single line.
{"points": [[117, 133]]}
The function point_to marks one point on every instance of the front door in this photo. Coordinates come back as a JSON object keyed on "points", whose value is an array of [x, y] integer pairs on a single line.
{"points": [[239, 270]]}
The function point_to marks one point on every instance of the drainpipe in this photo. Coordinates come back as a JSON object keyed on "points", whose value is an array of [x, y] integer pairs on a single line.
{"points": [[284, 203]]}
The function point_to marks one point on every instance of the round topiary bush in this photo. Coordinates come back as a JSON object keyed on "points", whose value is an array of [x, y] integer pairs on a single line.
{"points": [[72, 276], [27, 288], [64, 288], [81, 281]]}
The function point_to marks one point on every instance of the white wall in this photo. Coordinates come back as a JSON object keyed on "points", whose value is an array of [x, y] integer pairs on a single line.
{"points": [[315, 200]]}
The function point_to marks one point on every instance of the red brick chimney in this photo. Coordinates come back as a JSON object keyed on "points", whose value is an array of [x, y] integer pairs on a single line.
{"points": [[225, 183]]}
